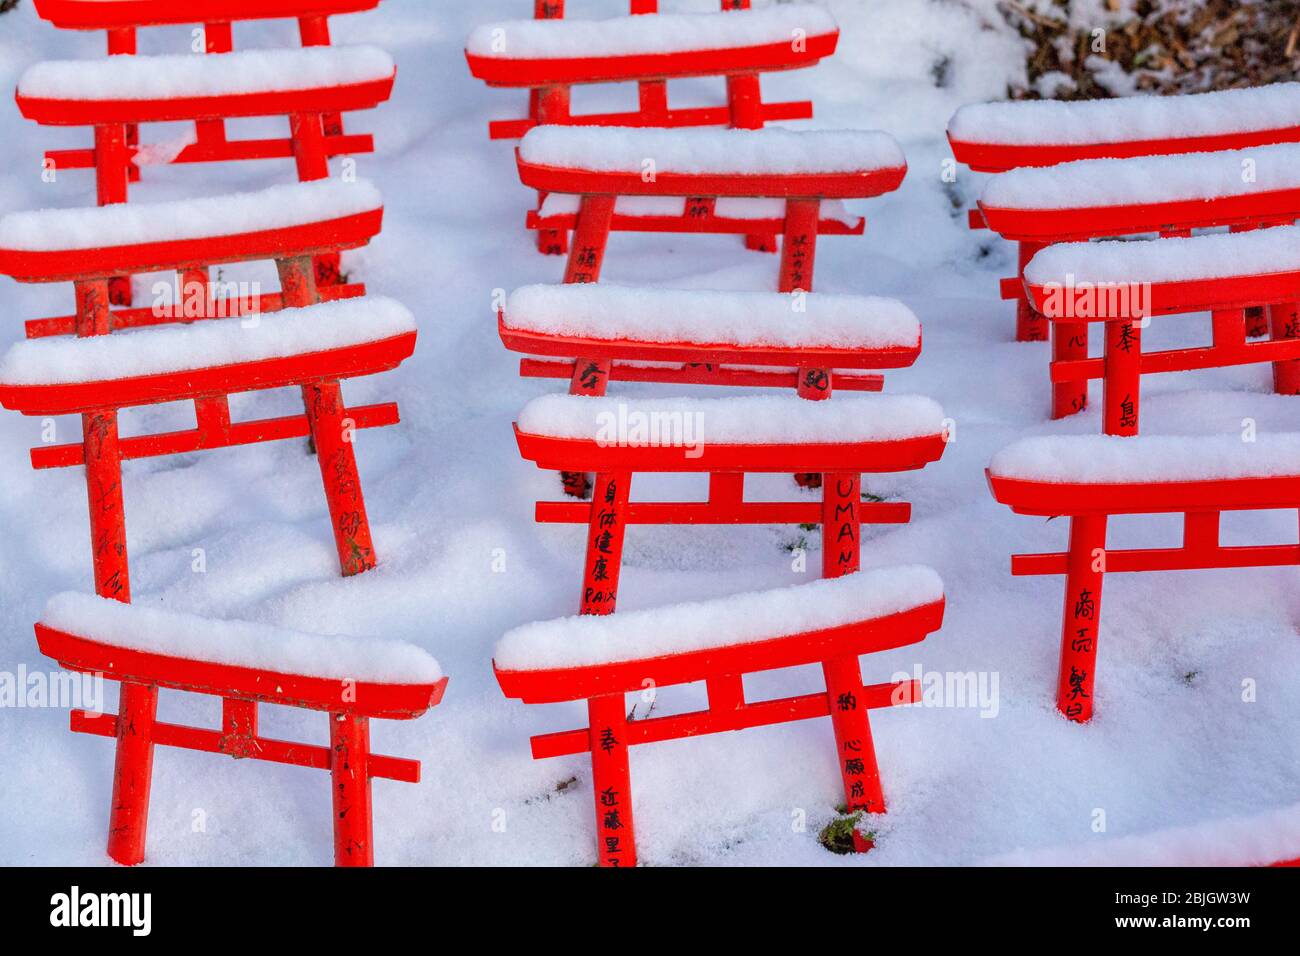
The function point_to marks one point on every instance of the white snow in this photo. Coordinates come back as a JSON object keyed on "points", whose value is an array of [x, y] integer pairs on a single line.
{"points": [[125, 224], [1217, 256], [1146, 179], [1142, 117], [1256, 840], [1109, 459], [726, 207], [205, 344], [177, 76], [586, 640], [711, 151], [748, 419], [461, 560], [239, 643], [663, 33], [607, 311]]}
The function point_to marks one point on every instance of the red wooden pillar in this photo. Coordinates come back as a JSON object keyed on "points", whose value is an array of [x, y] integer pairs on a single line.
{"points": [[332, 437], [307, 134], [854, 749], [217, 38], [238, 726], [1081, 617], [137, 703], [798, 258], [315, 31], [1285, 321], [652, 102], [1069, 342], [1030, 326], [745, 108], [128, 818], [652, 95], [799, 245], [1123, 378], [546, 106], [586, 256], [610, 773], [1255, 321], [112, 175], [354, 843], [611, 781], [605, 530], [121, 42]]}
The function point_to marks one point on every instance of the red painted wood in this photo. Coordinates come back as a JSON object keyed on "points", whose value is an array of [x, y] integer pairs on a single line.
{"points": [[611, 779], [1081, 498], [1049, 226], [366, 698], [850, 184], [1167, 559], [1081, 617], [98, 15], [128, 818], [700, 374], [722, 510], [1122, 380], [266, 749], [872, 457], [764, 57], [204, 439], [323, 99], [605, 531], [214, 309], [1085, 564], [1030, 326], [696, 220], [717, 719], [365, 359], [216, 151], [861, 637], [354, 839], [62, 265], [719, 353], [1197, 295], [675, 117], [999, 157]]}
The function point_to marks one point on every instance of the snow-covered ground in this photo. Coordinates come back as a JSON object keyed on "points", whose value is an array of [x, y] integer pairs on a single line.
{"points": [[1173, 747]]}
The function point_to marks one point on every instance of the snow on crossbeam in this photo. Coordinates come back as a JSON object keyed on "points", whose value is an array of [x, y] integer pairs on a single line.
{"points": [[332, 340], [829, 622], [134, 89], [544, 52], [101, 15], [821, 329], [1145, 194], [1183, 275], [993, 137], [291, 220], [1090, 478], [736, 214], [242, 644], [705, 162], [642, 639], [1085, 473], [245, 664], [874, 433]]}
